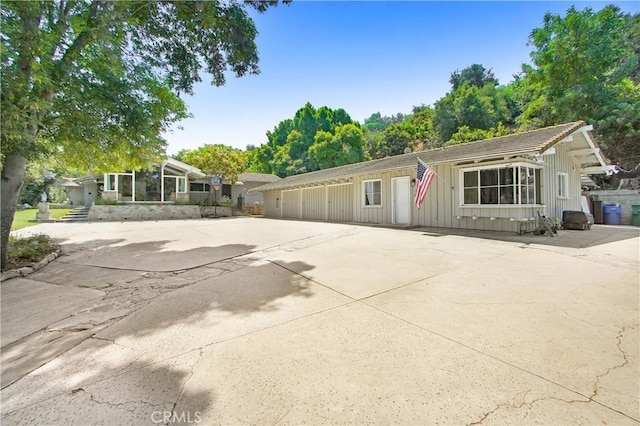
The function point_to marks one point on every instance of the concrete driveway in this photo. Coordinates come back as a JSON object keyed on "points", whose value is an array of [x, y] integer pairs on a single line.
{"points": [[258, 321]]}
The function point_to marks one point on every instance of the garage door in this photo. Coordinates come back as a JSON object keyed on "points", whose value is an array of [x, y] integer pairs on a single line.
{"points": [[340, 203], [291, 203], [313, 203]]}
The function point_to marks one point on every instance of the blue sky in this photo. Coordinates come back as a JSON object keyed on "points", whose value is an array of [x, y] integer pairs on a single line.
{"points": [[363, 56]]}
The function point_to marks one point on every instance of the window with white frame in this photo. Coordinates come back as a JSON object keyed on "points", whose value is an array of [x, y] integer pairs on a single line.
{"points": [[563, 185], [500, 185], [110, 182], [372, 192], [182, 184]]}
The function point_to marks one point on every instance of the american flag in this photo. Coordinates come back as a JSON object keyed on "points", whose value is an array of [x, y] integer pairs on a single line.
{"points": [[424, 178]]}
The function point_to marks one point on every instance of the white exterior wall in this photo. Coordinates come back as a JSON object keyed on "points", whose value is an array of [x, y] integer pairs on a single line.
{"points": [[313, 203], [442, 205], [562, 162], [271, 202], [290, 203]]}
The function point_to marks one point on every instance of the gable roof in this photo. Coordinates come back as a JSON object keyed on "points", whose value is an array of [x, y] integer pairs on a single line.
{"points": [[531, 142]]}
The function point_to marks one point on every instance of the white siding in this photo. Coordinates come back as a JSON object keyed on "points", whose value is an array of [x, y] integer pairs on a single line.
{"points": [[291, 203], [442, 206], [271, 200], [340, 203], [313, 203], [561, 162]]}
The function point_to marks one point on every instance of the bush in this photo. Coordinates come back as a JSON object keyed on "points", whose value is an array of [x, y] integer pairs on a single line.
{"points": [[25, 251]]}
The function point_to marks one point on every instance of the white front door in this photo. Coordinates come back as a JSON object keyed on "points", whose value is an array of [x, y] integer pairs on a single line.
{"points": [[401, 200]]}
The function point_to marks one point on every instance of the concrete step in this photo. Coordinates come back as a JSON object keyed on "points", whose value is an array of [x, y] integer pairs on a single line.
{"points": [[75, 215]]}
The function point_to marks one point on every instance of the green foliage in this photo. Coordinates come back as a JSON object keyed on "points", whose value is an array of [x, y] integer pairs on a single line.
{"points": [[586, 66], [28, 250], [97, 83], [472, 107], [466, 134], [475, 75], [291, 148], [343, 147], [216, 160]]}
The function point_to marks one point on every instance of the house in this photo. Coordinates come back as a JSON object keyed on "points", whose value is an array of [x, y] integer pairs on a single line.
{"points": [[173, 180], [80, 191], [199, 189], [495, 184], [167, 181]]}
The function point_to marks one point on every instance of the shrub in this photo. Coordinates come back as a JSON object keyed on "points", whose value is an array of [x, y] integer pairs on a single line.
{"points": [[25, 251]]}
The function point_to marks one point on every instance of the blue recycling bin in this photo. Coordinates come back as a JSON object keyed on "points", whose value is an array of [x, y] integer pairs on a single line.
{"points": [[612, 214]]}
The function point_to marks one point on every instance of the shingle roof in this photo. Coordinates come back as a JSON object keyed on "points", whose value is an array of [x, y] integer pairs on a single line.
{"points": [[534, 141], [258, 177]]}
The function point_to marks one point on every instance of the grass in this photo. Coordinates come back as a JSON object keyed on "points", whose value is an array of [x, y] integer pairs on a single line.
{"points": [[26, 251], [22, 217]]}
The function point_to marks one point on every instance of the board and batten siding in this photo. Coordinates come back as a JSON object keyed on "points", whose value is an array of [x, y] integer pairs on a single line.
{"points": [[290, 203], [340, 202], [442, 206], [560, 162], [271, 200], [314, 203], [382, 213]]}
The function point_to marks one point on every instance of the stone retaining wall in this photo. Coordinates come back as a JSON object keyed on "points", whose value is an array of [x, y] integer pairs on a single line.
{"points": [[120, 212], [218, 211]]}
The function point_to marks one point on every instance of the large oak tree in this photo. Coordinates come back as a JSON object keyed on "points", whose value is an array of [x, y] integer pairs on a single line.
{"points": [[96, 82]]}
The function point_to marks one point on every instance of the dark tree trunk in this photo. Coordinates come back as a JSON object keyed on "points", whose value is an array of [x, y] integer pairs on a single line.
{"points": [[12, 177]]}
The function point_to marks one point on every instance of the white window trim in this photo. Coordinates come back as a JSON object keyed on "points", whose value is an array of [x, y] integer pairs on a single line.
{"points": [[364, 194], [562, 186], [107, 180], [492, 166], [184, 179]]}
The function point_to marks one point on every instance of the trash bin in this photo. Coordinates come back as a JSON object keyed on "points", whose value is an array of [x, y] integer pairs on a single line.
{"points": [[635, 215], [612, 214]]}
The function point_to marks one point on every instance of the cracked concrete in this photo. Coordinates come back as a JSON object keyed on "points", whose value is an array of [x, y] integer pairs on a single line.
{"points": [[262, 321]]}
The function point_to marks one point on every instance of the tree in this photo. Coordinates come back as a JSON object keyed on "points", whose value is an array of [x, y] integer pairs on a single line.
{"points": [[586, 66], [216, 160], [96, 81], [471, 106], [475, 75], [344, 147], [288, 150]]}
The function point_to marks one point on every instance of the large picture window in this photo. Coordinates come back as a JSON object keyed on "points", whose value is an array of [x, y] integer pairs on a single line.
{"points": [[512, 185], [372, 194]]}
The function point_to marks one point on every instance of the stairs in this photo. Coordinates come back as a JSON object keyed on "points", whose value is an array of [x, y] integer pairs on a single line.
{"points": [[78, 214]]}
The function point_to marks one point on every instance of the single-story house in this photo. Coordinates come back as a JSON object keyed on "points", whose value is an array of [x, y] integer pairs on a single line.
{"points": [[494, 184], [80, 191], [199, 189], [165, 182]]}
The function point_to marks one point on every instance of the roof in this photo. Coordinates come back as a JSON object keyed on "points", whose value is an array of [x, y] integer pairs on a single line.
{"points": [[258, 177], [184, 167], [531, 142]]}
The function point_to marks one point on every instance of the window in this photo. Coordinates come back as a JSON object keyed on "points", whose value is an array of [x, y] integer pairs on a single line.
{"points": [[563, 185], [372, 192], [510, 185], [182, 184], [110, 182], [198, 187]]}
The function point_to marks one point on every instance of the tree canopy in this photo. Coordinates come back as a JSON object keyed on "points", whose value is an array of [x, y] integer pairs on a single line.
{"points": [[311, 140], [586, 66], [219, 160], [96, 82]]}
